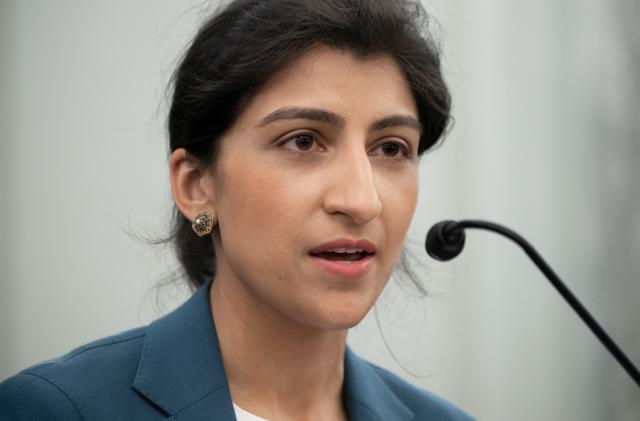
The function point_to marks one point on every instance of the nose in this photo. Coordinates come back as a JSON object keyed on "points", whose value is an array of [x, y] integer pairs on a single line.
{"points": [[353, 191]]}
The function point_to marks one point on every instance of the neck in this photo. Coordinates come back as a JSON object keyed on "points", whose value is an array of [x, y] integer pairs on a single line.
{"points": [[277, 368]]}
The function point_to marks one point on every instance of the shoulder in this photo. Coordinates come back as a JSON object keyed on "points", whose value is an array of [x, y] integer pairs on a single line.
{"points": [[27, 396], [423, 404], [81, 384]]}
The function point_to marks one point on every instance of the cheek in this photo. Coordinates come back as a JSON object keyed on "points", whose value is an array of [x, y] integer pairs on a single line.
{"points": [[399, 196], [259, 212]]}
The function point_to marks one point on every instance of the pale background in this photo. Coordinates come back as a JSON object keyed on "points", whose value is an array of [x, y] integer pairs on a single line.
{"points": [[547, 141]]}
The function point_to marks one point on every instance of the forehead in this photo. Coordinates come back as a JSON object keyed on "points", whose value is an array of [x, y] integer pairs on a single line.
{"points": [[327, 66], [339, 81]]}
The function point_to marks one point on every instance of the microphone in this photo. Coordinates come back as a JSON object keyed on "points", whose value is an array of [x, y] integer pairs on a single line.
{"points": [[445, 240]]}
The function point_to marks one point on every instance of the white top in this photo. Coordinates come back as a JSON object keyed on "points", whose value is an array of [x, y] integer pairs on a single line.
{"points": [[242, 415]]}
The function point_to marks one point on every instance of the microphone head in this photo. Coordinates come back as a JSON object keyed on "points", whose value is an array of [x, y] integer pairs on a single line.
{"points": [[445, 240]]}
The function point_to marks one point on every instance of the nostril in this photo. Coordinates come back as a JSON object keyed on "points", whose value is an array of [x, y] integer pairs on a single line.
{"points": [[361, 207]]}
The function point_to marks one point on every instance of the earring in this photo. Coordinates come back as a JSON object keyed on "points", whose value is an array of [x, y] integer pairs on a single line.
{"points": [[203, 223]]}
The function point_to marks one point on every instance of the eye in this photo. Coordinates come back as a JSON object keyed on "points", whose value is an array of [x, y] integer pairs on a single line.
{"points": [[302, 142], [393, 150]]}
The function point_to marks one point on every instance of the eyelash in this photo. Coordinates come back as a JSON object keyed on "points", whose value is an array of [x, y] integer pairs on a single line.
{"points": [[404, 150]]}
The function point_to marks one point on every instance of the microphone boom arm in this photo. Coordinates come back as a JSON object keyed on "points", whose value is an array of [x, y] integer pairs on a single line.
{"points": [[446, 240]]}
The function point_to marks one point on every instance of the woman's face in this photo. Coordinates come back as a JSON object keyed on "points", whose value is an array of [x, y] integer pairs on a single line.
{"points": [[325, 152]]}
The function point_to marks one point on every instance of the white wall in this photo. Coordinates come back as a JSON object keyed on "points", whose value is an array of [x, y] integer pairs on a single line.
{"points": [[546, 142]]}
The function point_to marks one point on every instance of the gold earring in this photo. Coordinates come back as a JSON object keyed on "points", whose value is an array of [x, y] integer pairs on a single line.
{"points": [[203, 223]]}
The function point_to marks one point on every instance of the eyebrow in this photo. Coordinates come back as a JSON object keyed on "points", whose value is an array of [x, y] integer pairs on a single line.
{"points": [[396, 121], [324, 116], [292, 113]]}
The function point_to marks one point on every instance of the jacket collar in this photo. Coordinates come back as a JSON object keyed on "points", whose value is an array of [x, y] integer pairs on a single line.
{"points": [[181, 371], [366, 394]]}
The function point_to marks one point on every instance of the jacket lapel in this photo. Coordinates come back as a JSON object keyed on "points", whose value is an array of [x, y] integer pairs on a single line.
{"points": [[366, 395], [180, 369]]}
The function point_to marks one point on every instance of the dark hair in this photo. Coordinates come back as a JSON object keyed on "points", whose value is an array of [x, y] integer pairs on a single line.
{"points": [[242, 46]]}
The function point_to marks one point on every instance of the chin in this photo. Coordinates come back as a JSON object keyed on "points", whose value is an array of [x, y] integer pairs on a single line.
{"points": [[341, 323], [341, 315]]}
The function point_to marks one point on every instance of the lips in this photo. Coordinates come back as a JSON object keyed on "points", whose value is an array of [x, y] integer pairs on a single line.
{"points": [[344, 245], [345, 257]]}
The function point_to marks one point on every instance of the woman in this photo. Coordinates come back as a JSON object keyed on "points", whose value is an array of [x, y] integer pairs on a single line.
{"points": [[295, 132]]}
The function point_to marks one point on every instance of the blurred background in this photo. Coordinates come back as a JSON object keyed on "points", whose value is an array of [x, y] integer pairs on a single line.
{"points": [[546, 141]]}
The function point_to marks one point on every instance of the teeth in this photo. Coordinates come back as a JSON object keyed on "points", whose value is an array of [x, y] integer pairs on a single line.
{"points": [[347, 250]]}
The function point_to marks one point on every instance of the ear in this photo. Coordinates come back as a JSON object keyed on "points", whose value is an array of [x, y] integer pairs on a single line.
{"points": [[191, 185]]}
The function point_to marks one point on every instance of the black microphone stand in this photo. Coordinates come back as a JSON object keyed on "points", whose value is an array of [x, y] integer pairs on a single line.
{"points": [[445, 241]]}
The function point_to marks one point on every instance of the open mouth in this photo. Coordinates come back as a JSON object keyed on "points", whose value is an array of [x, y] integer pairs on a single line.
{"points": [[345, 262], [343, 256]]}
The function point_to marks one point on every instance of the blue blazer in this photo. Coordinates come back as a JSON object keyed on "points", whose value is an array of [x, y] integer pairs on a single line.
{"points": [[172, 369]]}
